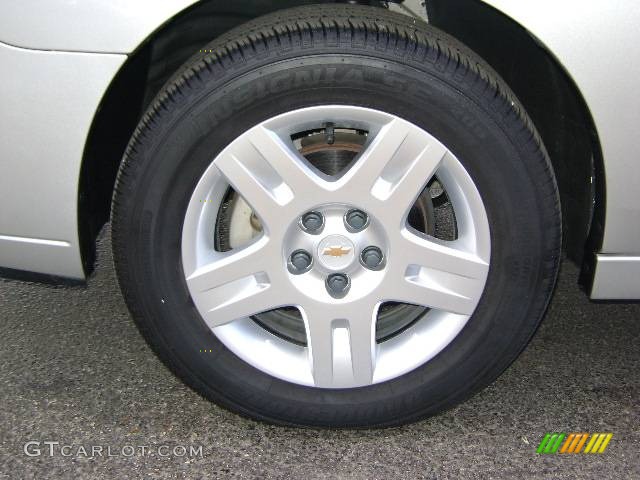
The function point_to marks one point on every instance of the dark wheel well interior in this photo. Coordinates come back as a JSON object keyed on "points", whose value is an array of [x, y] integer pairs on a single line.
{"points": [[556, 106], [548, 94], [135, 86]]}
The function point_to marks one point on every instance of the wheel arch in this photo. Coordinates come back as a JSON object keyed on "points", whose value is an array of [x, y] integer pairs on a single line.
{"points": [[570, 138], [132, 89], [556, 105]]}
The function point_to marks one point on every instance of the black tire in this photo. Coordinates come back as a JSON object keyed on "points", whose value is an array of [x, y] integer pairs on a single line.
{"points": [[351, 55]]}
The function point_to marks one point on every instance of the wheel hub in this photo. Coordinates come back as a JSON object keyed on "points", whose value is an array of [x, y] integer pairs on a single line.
{"points": [[335, 252], [341, 267], [233, 230]]}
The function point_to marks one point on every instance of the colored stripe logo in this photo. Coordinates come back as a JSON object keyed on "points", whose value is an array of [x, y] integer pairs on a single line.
{"points": [[574, 443]]}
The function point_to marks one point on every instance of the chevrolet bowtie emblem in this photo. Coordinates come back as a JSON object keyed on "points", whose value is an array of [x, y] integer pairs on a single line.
{"points": [[337, 251]]}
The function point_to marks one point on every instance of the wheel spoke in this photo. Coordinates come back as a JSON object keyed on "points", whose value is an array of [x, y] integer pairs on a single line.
{"points": [[401, 193], [269, 174], [286, 162], [377, 154], [438, 275], [234, 286], [263, 195], [395, 166], [436, 254], [342, 345]]}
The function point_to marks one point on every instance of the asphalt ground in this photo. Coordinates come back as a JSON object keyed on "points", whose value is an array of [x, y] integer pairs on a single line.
{"points": [[74, 370]]}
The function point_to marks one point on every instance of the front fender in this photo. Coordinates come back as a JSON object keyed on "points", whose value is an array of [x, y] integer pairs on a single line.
{"points": [[100, 26]]}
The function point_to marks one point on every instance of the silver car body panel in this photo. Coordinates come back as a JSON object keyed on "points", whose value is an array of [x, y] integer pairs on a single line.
{"points": [[108, 26], [48, 109], [616, 277]]}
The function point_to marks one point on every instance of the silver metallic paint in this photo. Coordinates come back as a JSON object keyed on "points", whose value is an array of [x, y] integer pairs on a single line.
{"points": [[108, 26], [616, 277], [48, 102]]}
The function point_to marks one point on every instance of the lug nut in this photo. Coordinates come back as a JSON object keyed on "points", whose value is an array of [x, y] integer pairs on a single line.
{"points": [[372, 257], [300, 262], [312, 222], [356, 220], [338, 285]]}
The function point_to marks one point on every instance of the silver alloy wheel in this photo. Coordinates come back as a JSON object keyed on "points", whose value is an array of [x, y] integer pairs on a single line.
{"points": [[266, 169]]}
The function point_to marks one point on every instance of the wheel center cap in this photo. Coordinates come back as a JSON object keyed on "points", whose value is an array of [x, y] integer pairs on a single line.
{"points": [[336, 252]]}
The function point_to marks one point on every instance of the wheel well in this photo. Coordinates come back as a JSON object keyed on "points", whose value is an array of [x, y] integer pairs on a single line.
{"points": [[134, 87], [555, 104], [533, 73]]}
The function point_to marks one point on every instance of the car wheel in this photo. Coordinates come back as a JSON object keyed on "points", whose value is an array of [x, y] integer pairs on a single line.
{"points": [[336, 216]]}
